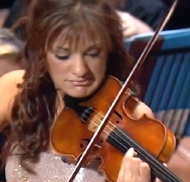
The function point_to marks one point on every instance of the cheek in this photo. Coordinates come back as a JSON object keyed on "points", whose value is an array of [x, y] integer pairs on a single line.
{"points": [[100, 68], [56, 69]]}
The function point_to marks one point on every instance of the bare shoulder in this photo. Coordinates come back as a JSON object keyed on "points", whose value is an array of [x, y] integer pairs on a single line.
{"points": [[13, 76], [9, 82], [8, 91]]}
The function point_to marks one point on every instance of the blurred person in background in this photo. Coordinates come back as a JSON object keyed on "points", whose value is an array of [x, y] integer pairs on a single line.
{"points": [[149, 13], [10, 48], [140, 16]]}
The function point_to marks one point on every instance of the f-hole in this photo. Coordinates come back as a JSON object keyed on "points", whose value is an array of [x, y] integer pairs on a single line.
{"points": [[84, 142]]}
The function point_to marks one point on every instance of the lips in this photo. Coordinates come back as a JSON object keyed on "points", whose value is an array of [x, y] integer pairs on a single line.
{"points": [[83, 82]]}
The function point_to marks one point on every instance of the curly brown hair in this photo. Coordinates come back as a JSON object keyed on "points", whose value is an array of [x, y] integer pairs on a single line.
{"points": [[35, 107]]}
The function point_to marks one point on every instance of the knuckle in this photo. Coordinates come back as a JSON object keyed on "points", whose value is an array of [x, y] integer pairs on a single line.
{"points": [[145, 166]]}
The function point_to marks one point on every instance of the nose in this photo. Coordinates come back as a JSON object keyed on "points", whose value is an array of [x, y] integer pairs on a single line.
{"points": [[80, 68]]}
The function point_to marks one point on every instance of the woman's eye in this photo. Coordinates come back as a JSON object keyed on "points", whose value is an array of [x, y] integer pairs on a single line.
{"points": [[94, 53], [62, 57]]}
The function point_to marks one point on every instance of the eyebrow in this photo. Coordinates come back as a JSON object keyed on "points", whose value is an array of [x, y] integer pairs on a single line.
{"points": [[61, 49], [93, 46]]}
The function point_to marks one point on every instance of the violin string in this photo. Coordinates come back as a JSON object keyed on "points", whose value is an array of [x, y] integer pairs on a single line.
{"points": [[114, 137], [105, 132], [110, 129], [160, 169], [116, 134]]}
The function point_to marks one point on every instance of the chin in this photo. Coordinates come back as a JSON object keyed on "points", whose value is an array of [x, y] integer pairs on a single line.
{"points": [[79, 94]]}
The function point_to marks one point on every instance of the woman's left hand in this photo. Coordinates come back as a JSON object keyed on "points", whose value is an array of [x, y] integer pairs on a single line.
{"points": [[133, 169]]}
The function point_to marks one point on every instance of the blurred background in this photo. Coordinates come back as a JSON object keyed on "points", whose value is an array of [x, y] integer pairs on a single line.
{"points": [[170, 55]]}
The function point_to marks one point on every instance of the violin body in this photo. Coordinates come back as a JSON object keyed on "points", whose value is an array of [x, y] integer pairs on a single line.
{"points": [[72, 132]]}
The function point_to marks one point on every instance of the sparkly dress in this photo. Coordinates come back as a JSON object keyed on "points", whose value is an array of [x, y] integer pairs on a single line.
{"points": [[50, 168]]}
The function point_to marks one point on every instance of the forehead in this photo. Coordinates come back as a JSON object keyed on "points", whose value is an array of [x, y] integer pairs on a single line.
{"points": [[81, 38]]}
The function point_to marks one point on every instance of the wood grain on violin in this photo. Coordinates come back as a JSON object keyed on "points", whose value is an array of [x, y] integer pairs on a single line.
{"points": [[73, 130]]}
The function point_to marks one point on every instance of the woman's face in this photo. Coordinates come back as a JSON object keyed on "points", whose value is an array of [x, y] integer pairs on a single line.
{"points": [[77, 73]]}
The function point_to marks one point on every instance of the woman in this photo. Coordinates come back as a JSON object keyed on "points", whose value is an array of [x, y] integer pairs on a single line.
{"points": [[71, 45]]}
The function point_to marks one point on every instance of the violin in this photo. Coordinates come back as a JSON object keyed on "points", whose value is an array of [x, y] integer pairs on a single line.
{"points": [[73, 130], [103, 127]]}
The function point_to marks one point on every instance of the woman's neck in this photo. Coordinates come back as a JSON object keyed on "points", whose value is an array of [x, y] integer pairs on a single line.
{"points": [[59, 101]]}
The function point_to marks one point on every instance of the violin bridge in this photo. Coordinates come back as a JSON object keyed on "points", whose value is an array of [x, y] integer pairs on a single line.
{"points": [[95, 121]]}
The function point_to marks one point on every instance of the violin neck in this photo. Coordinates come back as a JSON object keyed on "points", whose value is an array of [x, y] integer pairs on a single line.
{"points": [[120, 139]]}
